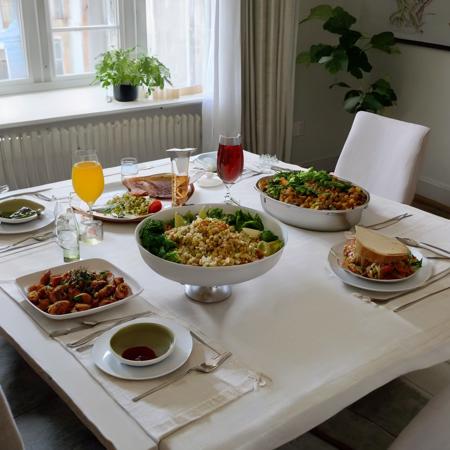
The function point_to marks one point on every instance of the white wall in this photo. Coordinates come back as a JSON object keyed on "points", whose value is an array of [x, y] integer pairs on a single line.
{"points": [[421, 78]]}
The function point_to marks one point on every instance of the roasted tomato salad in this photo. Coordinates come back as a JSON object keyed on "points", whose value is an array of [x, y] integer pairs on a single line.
{"points": [[314, 189], [77, 290], [400, 268]]}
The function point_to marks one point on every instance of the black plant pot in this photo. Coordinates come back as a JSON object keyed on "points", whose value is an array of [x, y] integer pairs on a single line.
{"points": [[125, 93]]}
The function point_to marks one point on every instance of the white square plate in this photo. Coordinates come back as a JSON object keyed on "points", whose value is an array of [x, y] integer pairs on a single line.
{"points": [[94, 264]]}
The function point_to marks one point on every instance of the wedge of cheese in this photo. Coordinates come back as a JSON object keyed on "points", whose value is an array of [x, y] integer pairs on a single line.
{"points": [[372, 246]]}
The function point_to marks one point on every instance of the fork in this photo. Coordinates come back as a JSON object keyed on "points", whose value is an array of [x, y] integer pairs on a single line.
{"points": [[40, 237], [425, 245], [204, 367]]}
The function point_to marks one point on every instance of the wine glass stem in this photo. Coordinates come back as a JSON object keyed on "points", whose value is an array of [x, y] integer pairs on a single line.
{"points": [[90, 212], [227, 193]]}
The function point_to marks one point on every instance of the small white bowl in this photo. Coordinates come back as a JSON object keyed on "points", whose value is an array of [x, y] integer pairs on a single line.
{"points": [[159, 338]]}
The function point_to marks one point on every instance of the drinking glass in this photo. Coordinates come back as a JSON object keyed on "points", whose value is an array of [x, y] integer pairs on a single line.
{"points": [[87, 177], [66, 230], [230, 162], [179, 159], [128, 167]]}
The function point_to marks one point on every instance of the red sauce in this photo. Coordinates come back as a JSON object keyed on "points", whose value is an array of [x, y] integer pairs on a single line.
{"points": [[140, 353]]}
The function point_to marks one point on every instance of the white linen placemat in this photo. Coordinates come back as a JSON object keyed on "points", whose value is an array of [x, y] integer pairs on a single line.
{"points": [[194, 396]]}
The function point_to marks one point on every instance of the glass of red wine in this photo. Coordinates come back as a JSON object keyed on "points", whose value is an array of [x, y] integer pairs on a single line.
{"points": [[230, 162]]}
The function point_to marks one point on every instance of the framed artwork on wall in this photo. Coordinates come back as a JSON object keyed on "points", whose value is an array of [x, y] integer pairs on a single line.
{"points": [[418, 22]]}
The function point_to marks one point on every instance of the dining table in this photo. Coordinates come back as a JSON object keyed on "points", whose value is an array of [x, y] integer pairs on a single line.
{"points": [[313, 344]]}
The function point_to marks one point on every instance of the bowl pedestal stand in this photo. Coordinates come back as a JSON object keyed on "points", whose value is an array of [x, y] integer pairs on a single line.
{"points": [[205, 294]]}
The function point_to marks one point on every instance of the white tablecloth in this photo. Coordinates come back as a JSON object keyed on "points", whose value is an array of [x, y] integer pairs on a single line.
{"points": [[322, 347]]}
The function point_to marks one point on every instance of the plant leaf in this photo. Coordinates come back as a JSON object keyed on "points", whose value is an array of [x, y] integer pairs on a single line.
{"points": [[319, 51], [351, 104], [384, 41], [357, 62], [303, 58], [321, 12], [370, 103], [339, 84], [349, 38], [339, 22], [338, 62]]}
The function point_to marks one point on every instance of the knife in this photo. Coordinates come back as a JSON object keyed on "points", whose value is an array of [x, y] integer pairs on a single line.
{"points": [[19, 194]]}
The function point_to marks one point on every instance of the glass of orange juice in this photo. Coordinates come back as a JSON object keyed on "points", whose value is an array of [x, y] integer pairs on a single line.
{"points": [[87, 178]]}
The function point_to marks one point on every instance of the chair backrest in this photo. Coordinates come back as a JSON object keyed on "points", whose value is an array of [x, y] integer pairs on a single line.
{"points": [[430, 428], [9, 435], [383, 155]]}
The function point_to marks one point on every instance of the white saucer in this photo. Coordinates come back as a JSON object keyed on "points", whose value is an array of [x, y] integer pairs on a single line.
{"points": [[347, 277], [209, 180], [106, 361], [46, 218]]}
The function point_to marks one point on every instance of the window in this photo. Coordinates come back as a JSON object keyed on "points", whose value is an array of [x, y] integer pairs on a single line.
{"points": [[48, 44], [13, 63], [82, 29], [177, 33]]}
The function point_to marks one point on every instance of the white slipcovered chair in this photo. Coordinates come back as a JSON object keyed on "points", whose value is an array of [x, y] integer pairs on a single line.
{"points": [[9, 434], [383, 155], [429, 430]]}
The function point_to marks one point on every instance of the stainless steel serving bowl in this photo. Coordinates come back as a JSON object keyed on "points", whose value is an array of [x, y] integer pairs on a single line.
{"points": [[312, 219]]}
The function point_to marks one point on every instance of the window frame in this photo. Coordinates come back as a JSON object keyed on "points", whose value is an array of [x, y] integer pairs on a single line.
{"points": [[38, 45]]}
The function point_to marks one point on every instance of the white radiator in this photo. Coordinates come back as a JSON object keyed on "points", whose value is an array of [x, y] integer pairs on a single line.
{"points": [[44, 155]]}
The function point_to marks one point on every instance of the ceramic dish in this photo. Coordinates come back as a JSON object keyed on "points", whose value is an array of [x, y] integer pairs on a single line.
{"points": [[106, 361], [41, 221], [147, 343], [206, 161], [112, 189], [311, 219], [95, 264], [352, 279], [8, 207], [212, 276]]}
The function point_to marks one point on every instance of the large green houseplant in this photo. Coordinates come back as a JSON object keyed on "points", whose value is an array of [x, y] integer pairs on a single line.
{"points": [[349, 55], [125, 72]]}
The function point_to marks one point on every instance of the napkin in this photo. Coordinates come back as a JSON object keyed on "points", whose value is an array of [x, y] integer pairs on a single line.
{"points": [[177, 405]]}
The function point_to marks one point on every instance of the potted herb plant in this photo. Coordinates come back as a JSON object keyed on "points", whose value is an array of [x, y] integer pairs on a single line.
{"points": [[125, 72]]}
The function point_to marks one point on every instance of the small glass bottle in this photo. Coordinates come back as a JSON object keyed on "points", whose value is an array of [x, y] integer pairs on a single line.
{"points": [[67, 231]]}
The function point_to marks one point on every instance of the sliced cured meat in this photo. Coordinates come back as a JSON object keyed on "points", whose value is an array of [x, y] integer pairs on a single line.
{"points": [[159, 185]]}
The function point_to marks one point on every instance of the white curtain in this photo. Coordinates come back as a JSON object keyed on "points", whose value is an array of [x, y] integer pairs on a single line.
{"points": [[221, 110]]}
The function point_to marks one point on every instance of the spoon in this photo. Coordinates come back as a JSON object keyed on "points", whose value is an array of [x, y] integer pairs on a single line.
{"points": [[425, 245], [204, 367]]}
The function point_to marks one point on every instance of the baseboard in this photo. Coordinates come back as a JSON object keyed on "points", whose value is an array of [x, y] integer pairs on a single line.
{"points": [[328, 163], [430, 203], [434, 190]]}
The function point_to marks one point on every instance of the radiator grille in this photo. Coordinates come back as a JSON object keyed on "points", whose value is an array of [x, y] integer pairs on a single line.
{"points": [[45, 155]]}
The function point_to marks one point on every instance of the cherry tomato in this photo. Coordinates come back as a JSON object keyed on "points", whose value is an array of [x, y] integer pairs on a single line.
{"points": [[154, 206]]}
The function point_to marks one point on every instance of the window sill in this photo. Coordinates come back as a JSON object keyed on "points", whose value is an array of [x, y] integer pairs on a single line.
{"points": [[68, 104]]}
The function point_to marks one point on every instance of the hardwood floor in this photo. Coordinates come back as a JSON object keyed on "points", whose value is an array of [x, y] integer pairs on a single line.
{"points": [[371, 423]]}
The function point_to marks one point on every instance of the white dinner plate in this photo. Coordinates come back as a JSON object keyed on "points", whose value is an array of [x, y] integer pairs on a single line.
{"points": [[46, 218], [347, 277], [106, 361], [94, 264]]}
